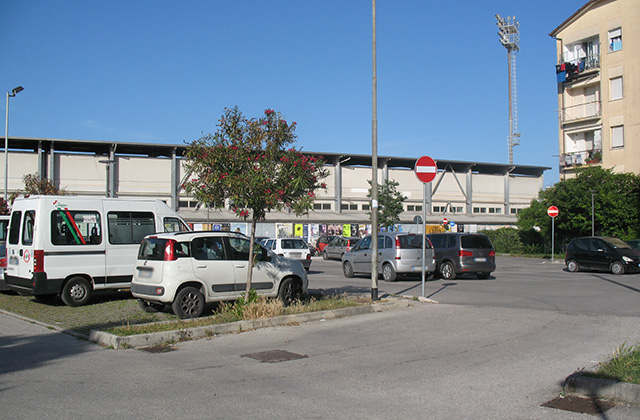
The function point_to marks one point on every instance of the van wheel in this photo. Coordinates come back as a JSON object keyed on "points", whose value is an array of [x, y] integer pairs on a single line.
{"points": [[189, 303], [76, 292], [447, 271], [572, 265], [290, 291], [617, 267], [347, 269], [151, 307], [388, 273], [325, 256]]}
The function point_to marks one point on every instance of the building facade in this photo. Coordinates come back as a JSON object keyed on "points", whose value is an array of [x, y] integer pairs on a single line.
{"points": [[472, 195], [598, 83]]}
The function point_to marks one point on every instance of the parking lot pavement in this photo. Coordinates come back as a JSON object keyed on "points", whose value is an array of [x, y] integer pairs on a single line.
{"points": [[427, 362]]}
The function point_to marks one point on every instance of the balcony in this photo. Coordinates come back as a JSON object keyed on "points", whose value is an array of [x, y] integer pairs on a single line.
{"points": [[578, 59], [579, 158], [581, 112]]}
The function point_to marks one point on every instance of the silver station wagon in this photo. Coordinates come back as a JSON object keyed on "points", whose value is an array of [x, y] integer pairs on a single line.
{"points": [[398, 253]]}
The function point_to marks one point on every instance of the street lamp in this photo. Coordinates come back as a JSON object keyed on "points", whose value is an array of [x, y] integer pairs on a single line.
{"points": [[6, 140], [592, 212]]}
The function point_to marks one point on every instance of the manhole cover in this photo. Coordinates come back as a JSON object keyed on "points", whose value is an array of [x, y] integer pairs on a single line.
{"points": [[583, 405], [275, 356]]}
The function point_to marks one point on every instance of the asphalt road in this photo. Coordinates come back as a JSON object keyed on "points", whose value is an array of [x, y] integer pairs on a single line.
{"points": [[492, 349]]}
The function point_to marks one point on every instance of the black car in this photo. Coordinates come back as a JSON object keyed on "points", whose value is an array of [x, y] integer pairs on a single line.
{"points": [[600, 253], [463, 253]]}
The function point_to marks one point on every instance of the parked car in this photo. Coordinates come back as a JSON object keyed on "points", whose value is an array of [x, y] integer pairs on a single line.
{"points": [[398, 253], [601, 253], [294, 248], [188, 269], [463, 253], [323, 241], [634, 243], [340, 245]]}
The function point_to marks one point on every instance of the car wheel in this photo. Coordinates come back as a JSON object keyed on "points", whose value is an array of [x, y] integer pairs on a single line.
{"points": [[347, 269], [483, 275], [617, 267], [76, 292], [151, 307], [290, 291], [325, 256], [572, 265], [388, 273], [447, 271], [189, 303]]}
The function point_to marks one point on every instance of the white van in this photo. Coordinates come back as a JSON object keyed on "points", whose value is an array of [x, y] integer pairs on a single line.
{"points": [[74, 245]]}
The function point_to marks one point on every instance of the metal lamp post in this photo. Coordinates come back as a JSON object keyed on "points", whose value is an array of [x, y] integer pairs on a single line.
{"points": [[6, 140]]}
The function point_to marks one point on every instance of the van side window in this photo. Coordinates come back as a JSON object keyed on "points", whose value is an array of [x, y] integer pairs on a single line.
{"points": [[14, 227], [173, 224], [130, 227], [27, 227], [75, 227]]}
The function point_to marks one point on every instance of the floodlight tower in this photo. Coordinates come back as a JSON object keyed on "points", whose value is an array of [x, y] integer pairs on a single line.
{"points": [[509, 33]]}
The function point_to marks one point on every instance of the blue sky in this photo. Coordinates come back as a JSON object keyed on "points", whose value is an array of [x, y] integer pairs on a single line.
{"points": [[163, 72]]}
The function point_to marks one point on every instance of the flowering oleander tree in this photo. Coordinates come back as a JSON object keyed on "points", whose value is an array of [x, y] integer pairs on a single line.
{"points": [[250, 165]]}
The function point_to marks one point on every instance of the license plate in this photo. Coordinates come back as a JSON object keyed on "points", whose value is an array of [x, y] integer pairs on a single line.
{"points": [[295, 255], [144, 274], [481, 259]]}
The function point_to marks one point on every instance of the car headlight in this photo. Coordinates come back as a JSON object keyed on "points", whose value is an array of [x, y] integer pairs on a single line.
{"points": [[627, 259]]}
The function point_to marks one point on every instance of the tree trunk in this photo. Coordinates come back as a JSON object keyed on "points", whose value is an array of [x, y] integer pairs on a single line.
{"points": [[251, 257]]}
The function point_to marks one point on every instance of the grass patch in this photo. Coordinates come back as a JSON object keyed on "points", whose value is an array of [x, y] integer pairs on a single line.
{"points": [[255, 308], [623, 367]]}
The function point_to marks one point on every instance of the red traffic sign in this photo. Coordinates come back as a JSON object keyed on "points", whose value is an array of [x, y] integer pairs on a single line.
{"points": [[445, 221], [426, 169], [552, 211]]}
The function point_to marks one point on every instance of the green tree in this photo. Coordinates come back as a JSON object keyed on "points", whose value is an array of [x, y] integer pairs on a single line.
{"points": [[389, 203], [250, 164], [616, 206]]}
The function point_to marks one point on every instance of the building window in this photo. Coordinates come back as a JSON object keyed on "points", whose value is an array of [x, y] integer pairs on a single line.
{"points": [[515, 211], [479, 209], [366, 207], [321, 206], [617, 136], [349, 207], [495, 210], [615, 40], [414, 208], [616, 88]]}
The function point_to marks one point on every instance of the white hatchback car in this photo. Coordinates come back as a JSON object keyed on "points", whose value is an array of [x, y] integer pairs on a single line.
{"points": [[294, 248], [188, 269]]}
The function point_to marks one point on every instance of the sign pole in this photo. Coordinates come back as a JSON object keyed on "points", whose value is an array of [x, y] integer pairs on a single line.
{"points": [[552, 211], [424, 231]]}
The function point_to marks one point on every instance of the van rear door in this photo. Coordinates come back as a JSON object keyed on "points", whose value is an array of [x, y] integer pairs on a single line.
{"points": [[20, 247]]}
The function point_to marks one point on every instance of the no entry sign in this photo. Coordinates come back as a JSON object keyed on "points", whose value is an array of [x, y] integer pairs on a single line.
{"points": [[552, 211], [426, 169]]}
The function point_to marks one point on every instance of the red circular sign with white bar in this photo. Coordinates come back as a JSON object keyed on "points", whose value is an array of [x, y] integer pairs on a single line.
{"points": [[552, 211]]}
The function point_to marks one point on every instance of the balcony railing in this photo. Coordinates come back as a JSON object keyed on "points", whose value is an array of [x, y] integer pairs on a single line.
{"points": [[586, 60], [584, 157], [581, 111]]}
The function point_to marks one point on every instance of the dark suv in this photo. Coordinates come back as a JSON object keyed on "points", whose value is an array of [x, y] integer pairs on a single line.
{"points": [[463, 253], [602, 254]]}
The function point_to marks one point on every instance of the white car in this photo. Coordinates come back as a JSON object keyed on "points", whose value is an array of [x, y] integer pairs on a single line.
{"points": [[188, 269], [294, 248]]}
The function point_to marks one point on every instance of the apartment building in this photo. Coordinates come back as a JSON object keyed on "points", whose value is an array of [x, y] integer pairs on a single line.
{"points": [[598, 81]]}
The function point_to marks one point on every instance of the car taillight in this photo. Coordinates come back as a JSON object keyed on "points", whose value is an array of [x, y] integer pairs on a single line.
{"points": [[308, 256], [464, 253], [169, 251], [397, 243], [3, 262], [38, 261], [492, 254]]}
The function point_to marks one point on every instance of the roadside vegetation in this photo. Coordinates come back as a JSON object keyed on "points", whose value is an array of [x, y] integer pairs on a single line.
{"points": [[623, 367], [255, 307]]}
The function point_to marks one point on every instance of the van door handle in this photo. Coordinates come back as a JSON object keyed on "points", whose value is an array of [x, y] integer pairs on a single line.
{"points": [[21, 253], [201, 266]]}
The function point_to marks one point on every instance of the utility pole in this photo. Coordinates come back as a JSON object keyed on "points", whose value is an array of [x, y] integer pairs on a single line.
{"points": [[374, 171]]}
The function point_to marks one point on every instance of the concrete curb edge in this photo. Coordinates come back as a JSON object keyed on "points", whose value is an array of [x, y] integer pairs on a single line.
{"points": [[579, 384], [159, 338]]}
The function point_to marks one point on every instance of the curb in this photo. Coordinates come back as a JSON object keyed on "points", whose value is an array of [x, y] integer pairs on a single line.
{"points": [[160, 338], [579, 384]]}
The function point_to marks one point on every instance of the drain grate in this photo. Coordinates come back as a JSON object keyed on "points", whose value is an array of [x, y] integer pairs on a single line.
{"points": [[583, 405], [275, 356]]}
